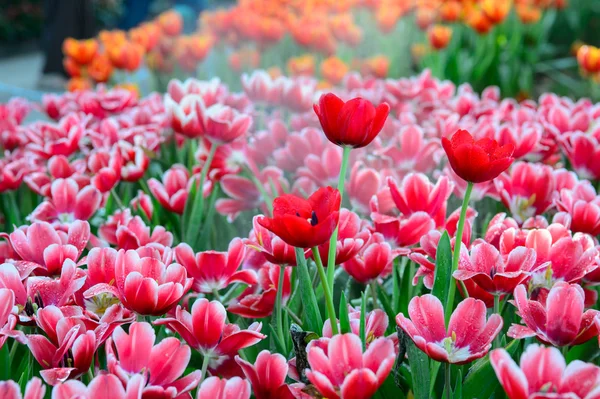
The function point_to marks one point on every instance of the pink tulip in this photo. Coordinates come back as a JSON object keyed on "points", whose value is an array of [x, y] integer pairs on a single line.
{"points": [[103, 386], [173, 192], [144, 282], [543, 373], [260, 87], [216, 388], [558, 319], [8, 320], [583, 206], [68, 203], [340, 369], [468, 336], [106, 168], [34, 389], [212, 270], [267, 375], [495, 273], [223, 124], [163, 363], [47, 246], [373, 261], [206, 330]]}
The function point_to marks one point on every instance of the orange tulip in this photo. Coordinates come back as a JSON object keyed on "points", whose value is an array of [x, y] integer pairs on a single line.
{"points": [[495, 10], [72, 67], [81, 51], [479, 22], [425, 17], [146, 35], [302, 65], [127, 56], [78, 84], [588, 58], [528, 14], [100, 69], [377, 66], [439, 36], [450, 11], [110, 38], [387, 18], [170, 22], [333, 70]]}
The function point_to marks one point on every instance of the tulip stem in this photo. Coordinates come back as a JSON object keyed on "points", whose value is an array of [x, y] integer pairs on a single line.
{"points": [[448, 377], [456, 253], [278, 303], [205, 362], [334, 236], [326, 291], [497, 311], [373, 287]]}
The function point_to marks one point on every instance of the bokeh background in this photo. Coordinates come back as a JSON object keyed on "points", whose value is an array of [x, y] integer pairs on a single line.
{"points": [[526, 47]]}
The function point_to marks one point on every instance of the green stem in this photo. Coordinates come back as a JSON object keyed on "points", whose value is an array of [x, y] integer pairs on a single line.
{"points": [[447, 379], [117, 199], [261, 189], [90, 373], [13, 351], [334, 236], [497, 311], [293, 315], [278, 304], [326, 291], [205, 362], [456, 253], [373, 287]]}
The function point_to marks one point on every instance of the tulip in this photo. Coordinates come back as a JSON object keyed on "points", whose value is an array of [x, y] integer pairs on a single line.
{"points": [[103, 386], [542, 372], [340, 369], [173, 191], [216, 388], [583, 206], [372, 262], [223, 124], [558, 319], [267, 375], [212, 270], [477, 161], [304, 223], [144, 282], [354, 123], [270, 246], [35, 389], [8, 321], [468, 336], [439, 36]]}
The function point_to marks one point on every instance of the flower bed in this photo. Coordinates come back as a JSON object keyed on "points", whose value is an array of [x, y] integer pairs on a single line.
{"points": [[195, 246]]}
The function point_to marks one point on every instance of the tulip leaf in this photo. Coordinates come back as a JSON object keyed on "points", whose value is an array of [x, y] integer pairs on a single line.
{"points": [[419, 366], [363, 318], [5, 363], [311, 315], [481, 371], [385, 303], [458, 387], [344, 318], [443, 268]]}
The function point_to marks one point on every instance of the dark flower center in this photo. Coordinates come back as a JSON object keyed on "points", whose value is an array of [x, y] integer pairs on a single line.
{"points": [[313, 219], [493, 272]]}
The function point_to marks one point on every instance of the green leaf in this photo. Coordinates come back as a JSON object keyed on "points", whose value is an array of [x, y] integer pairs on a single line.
{"points": [[363, 316], [311, 315], [344, 318], [443, 268], [481, 381], [406, 290], [396, 284], [458, 387], [389, 390], [419, 367], [5, 362], [387, 306]]}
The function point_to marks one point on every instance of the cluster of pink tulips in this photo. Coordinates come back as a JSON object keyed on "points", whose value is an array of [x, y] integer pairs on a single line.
{"points": [[283, 242]]}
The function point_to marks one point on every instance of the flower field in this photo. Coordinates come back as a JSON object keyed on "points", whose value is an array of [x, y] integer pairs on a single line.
{"points": [[316, 234]]}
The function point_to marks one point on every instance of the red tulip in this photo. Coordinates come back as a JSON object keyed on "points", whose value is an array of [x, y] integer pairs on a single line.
{"points": [[477, 161], [206, 330], [106, 168], [543, 373], [267, 375], [340, 369], [373, 261], [216, 388], [35, 389], [213, 270], [467, 338], [354, 123], [495, 273], [305, 223], [558, 319], [271, 247]]}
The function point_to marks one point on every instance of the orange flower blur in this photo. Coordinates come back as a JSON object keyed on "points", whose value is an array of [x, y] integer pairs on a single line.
{"points": [[333, 70], [81, 51], [439, 36]]}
